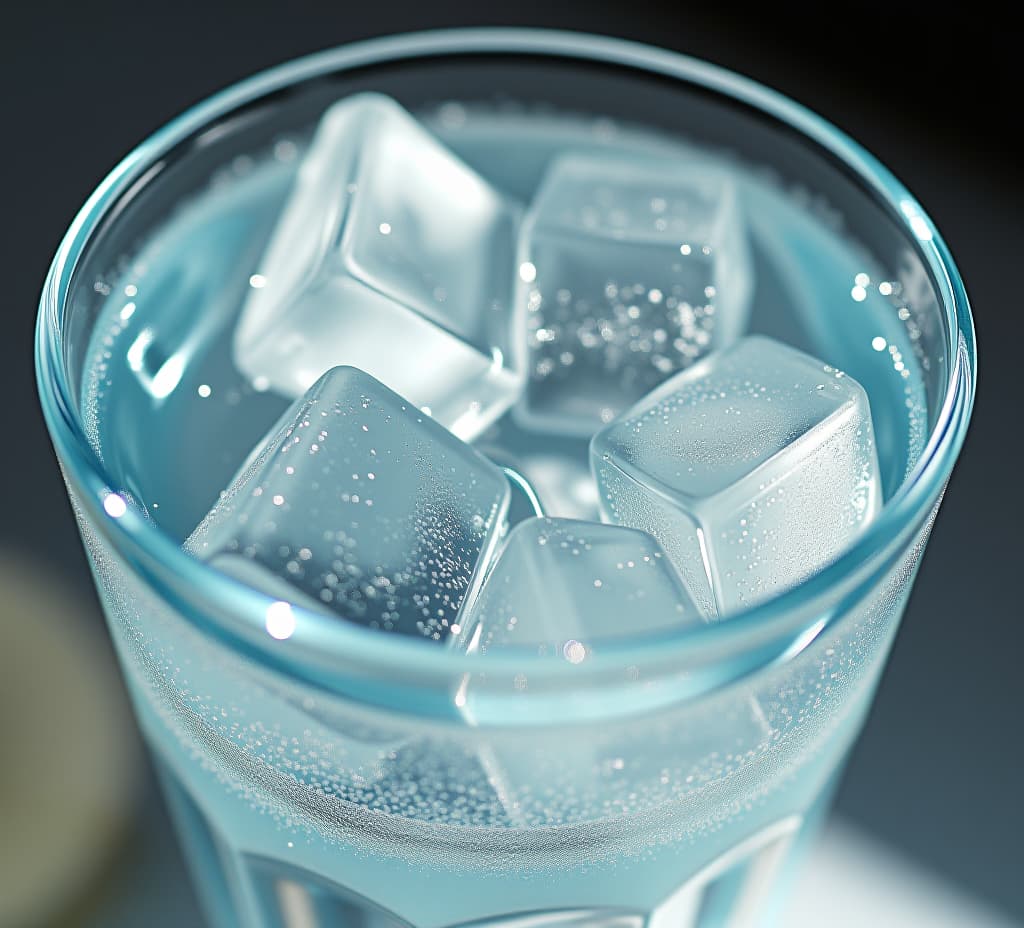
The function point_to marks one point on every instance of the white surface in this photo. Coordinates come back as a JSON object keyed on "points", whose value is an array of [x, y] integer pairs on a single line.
{"points": [[855, 881]]}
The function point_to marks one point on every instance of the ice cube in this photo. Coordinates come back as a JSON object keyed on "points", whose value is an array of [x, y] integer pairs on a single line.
{"points": [[393, 256], [364, 505], [564, 586], [753, 468], [630, 270]]}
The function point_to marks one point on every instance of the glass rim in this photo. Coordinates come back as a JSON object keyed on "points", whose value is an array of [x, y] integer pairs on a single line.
{"points": [[237, 612]]}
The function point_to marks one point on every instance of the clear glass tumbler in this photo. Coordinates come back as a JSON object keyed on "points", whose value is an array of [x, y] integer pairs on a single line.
{"points": [[324, 777]]}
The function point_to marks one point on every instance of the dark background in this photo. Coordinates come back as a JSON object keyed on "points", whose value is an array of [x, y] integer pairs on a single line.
{"points": [[938, 771]]}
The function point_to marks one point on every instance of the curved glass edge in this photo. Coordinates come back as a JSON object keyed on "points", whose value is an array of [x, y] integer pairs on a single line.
{"points": [[236, 610]]}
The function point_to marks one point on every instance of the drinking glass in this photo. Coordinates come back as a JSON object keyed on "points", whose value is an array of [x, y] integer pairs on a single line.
{"points": [[326, 776]]}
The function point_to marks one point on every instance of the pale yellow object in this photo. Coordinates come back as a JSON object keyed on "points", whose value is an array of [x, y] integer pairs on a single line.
{"points": [[69, 756]]}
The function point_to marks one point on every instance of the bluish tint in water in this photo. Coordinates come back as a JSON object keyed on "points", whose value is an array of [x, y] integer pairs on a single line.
{"points": [[162, 354], [173, 420]]}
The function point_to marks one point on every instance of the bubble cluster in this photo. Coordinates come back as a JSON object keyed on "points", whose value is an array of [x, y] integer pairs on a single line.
{"points": [[632, 269], [634, 335]]}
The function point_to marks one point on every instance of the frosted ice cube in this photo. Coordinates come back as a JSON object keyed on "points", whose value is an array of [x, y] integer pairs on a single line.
{"points": [[564, 586], [630, 270], [753, 468], [364, 505], [393, 256]]}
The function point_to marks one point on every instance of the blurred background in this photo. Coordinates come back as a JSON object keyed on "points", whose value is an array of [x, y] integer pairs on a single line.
{"points": [[933, 787]]}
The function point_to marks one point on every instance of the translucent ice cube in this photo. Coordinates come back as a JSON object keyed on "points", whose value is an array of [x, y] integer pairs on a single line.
{"points": [[564, 586], [753, 468], [364, 505], [395, 257], [630, 270]]}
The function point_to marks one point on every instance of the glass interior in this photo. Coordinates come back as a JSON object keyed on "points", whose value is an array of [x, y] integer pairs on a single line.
{"points": [[442, 88], [514, 85]]}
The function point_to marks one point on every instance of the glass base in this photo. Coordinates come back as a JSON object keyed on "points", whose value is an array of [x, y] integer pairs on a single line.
{"points": [[243, 891]]}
